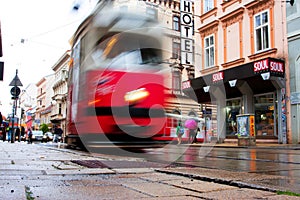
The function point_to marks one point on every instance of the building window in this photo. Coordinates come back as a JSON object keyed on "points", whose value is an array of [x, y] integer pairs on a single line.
{"points": [[262, 31], [209, 50], [59, 109], [176, 82], [176, 50], [208, 5], [176, 23]]}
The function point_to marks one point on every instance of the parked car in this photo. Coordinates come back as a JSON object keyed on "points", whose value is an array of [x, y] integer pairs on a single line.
{"points": [[47, 137], [37, 135]]}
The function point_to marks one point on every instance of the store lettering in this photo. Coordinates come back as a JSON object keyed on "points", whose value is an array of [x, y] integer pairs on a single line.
{"points": [[276, 66], [217, 77], [261, 65], [186, 84]]}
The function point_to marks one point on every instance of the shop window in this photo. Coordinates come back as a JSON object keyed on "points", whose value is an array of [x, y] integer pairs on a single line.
{"points": [[262, 31], [208, 5], [265, 113], [209, 50], [176, 23]]}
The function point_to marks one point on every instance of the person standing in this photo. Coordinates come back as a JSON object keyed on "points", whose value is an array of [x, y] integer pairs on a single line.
{"points": [[179, 132], [29, 136], [18, 134]]}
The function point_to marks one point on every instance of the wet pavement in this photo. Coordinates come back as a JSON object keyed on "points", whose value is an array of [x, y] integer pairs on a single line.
{"points": [[34, 171]]}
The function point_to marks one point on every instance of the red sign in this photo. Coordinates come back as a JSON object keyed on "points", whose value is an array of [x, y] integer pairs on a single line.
{"points": [[276, 67], [186, 84], [218, 77], [261, 65]]}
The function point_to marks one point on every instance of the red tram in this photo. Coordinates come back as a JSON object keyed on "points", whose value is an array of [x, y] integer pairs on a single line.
{"points": [[116, 85]]}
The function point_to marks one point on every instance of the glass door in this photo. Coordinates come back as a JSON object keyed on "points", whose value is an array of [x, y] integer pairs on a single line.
{"points": [[233, 108], [265, 115]]}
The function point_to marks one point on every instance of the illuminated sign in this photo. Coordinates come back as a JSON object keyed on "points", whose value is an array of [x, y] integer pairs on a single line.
{"points": [[268, 65], [218, 77], [186, 20], [261, 66]]}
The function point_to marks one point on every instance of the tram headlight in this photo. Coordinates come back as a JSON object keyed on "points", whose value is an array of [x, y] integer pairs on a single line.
{"points": [[136, 95]]}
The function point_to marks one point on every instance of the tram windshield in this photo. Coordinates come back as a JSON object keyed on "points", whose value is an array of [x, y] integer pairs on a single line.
{"points": [[127, 52]]}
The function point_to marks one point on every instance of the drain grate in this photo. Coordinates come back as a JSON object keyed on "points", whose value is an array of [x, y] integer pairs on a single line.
{"points": [[90, 163], [111, 164]]}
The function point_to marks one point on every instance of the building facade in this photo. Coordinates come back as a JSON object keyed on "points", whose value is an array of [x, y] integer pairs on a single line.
{"points": [[44, 101], [60, 91], [28, 103], [293, 32], [242, 65]]}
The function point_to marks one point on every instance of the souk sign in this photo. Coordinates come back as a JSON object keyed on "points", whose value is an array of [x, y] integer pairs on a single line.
{"points": [[276, 67], [186, 33]]}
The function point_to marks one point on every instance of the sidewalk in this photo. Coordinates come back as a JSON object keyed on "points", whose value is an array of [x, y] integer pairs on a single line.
{"points": [[35, 171]]}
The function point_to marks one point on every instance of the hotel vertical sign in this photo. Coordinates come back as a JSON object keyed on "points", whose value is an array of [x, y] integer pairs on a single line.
{"points": [[186, 20]]}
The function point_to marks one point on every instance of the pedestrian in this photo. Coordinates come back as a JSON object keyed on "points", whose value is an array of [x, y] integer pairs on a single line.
{"points": [[22, 132], [179, 132], [4, 132], [192, 135], [18, 134], [192, 125], [29, 136]]}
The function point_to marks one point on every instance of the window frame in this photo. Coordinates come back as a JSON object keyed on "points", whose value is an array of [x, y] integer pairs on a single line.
{"points": [[208, 63], [176, 50], [264, 44], [176, 23], [208, 5]]}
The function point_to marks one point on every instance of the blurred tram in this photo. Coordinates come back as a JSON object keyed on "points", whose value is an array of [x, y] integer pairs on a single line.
{"points": [[116, 83]]}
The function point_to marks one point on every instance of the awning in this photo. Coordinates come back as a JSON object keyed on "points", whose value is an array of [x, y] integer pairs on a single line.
{"points": [[262, 76]]}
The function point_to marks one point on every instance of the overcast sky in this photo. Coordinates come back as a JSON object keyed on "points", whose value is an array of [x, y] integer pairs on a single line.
{"points": [[35, 34]]}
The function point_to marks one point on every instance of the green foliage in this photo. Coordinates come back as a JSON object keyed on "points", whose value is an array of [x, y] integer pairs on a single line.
{"points": [[287, 193], [44, 128]]}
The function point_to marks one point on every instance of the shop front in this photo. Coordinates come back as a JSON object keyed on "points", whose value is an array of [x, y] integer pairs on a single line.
{"points": [[253, 88]]}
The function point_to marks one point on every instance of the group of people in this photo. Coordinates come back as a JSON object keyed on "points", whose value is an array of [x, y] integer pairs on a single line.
{"points": [[192, 133]]}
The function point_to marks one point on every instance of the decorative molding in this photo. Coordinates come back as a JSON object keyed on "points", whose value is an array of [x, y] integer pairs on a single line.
{"points": [[232, 17], [258, 6], [263, 54], [208, 14], [209, 28], [209, 70], [233, 63], [228, 3]]}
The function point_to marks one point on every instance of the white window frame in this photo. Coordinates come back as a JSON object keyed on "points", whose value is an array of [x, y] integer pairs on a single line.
{"points": [[209, 50], [265, 44], [176, 23], [208, 5]]}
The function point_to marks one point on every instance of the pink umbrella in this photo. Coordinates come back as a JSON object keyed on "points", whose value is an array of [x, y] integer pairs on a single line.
{"points": [[191, 124]]}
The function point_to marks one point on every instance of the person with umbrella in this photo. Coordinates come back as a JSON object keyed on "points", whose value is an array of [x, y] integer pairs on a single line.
{"points": [[192, 125]]}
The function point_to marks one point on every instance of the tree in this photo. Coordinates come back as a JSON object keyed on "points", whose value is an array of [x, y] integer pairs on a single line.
{"points": [[44, 128]]}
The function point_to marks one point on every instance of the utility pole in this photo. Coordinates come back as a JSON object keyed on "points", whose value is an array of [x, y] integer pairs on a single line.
{"points": [[15, 92]]}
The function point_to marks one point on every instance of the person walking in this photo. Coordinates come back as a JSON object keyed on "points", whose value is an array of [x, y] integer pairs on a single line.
{"points": [[29, 136], [192, 125], [179, 132]]}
